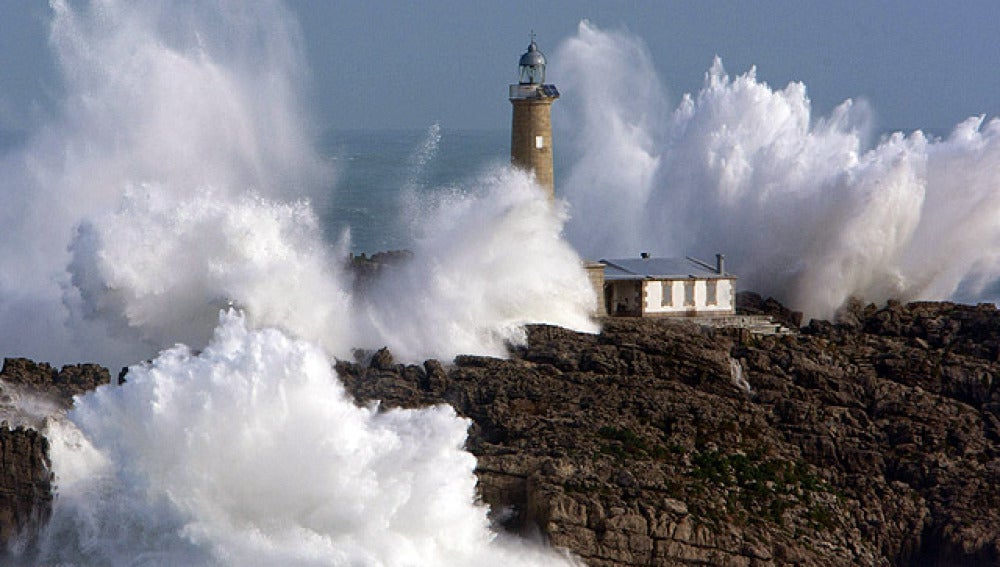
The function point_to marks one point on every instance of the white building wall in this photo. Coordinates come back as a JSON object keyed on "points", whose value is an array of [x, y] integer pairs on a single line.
{"points": [[653, 297], [726, 295]]}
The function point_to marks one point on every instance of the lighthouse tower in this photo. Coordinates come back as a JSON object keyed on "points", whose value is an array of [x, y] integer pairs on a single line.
{"points": [[531, 129]]}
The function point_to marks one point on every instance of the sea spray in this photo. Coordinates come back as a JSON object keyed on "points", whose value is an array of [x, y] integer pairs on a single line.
{"points": [[417, 201], [178, 96], [252, 453], [486, 262], [22, 406], [613, 128], [803, 206], [423, 155], [737, 375], [160, 268]]}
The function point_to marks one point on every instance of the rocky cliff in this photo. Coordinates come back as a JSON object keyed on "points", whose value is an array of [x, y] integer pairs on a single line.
{"points": [[28, 393], [874, 440]]}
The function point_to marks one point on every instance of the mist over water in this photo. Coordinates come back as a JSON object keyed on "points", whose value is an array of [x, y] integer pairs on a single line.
{"points": [[387, 181], [804, 206]]}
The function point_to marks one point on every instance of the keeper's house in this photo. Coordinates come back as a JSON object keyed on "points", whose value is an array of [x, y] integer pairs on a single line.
{"points": [[665, 287]]}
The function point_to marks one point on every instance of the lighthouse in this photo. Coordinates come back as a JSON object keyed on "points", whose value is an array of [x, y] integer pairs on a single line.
{"points": [[531, 127]]}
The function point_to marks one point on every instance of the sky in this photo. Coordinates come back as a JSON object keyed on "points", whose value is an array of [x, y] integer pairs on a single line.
{"points": [[378, 64]]}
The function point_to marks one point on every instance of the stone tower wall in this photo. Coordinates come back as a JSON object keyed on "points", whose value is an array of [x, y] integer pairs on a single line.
{"points": [[532, 118]]}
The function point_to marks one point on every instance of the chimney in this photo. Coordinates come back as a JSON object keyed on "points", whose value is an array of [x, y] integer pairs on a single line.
{"points": [[720, 264], [644, 255]]}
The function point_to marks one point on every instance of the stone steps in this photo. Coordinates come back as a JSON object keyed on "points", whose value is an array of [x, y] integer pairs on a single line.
{"points": [[755, 324]]}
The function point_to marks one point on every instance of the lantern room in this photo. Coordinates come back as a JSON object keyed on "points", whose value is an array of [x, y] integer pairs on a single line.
{"points": [[532, 65]]}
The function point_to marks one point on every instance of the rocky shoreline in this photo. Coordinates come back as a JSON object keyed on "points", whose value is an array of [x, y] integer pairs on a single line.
{"points": [[874, 440], [27, 391]]}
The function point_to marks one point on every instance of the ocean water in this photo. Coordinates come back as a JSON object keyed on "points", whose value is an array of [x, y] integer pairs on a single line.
{"points": [[380, 172]]}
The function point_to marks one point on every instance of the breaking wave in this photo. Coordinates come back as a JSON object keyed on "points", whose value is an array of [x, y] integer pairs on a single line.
{"points": [[252, 453], [165, 106], [487, 262], [805, 208]]}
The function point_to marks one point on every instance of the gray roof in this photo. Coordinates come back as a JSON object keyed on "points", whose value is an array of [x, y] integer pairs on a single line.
{"points": [[658, 268]]}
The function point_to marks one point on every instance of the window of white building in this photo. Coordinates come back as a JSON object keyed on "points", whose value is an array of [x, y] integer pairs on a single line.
{"points": [[667, 294], [711, 292], [689, 293]]}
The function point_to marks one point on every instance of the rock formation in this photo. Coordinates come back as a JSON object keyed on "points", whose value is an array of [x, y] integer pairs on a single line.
{"points": [[873, 441], [26, 483]]}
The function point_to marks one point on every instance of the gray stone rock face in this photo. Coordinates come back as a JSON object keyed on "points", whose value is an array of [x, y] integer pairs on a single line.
{"points": [[872, 441], [60, 385], [26, 483], [25, 487]]}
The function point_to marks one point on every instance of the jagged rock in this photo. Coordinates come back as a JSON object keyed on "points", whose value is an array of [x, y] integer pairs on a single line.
{"points": [[25, 477], [383, 360], [25, 487], [65, 383], [367, 270], [751, 303], [870, 441], [435, 377]]}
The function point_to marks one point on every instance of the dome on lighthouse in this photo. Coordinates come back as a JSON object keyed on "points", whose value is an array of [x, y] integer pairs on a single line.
{"points": [[533, 56], [532, 66]]}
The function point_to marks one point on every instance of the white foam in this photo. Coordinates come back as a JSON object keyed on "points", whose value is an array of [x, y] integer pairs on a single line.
{"points": [[487, 262], [161, 267], [251, 453]]}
